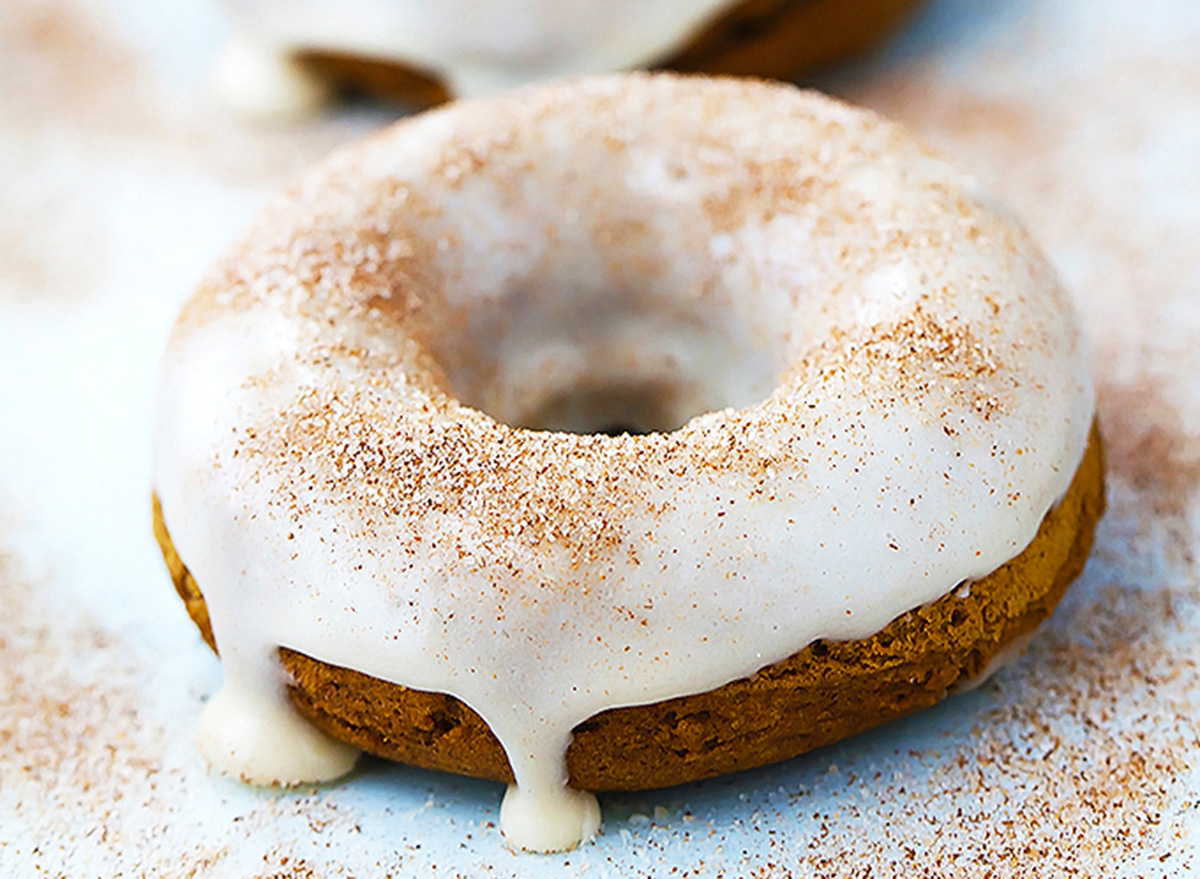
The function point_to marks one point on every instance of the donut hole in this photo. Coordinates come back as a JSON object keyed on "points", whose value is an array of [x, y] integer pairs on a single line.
{"points": [[612, 410], [590, 285], [625, 373], [572, 351]]}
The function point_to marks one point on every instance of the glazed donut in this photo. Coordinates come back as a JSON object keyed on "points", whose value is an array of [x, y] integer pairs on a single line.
{"points": [[701, 421], [288, 57]]}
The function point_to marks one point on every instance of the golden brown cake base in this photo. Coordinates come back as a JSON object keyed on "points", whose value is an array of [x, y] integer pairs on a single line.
{"points": [[775, 39], [825, 692]]}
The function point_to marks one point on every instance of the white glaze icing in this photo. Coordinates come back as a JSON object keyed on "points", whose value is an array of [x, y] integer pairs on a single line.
{"points": [[882, 390], [477, 47], [256, 80], [253, 734]]}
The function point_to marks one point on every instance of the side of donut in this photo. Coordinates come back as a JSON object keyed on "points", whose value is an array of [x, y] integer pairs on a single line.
{"points": [[825, 692]]}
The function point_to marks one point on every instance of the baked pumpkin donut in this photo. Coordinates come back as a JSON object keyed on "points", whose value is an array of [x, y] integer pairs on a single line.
{"points": [[864, 460], [286, 58]]}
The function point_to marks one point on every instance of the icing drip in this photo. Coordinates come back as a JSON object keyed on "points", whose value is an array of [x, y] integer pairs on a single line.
{"points": [[550, 817], [255, 80], [879, 389], [253, 733]]}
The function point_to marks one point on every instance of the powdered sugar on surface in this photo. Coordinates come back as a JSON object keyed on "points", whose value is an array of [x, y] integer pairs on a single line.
{"points": [[120, 184]]}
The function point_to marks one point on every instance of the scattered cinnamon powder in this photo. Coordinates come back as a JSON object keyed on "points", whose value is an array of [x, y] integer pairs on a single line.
{"points": [[86, 777], [58, 64], [1151, 448], [75, 748]]}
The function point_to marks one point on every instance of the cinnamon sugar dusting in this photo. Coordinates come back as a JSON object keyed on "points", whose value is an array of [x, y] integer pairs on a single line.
{"points": [[921, 355], [534, 491], [512, 491], [1151, 447], [514, 487]]}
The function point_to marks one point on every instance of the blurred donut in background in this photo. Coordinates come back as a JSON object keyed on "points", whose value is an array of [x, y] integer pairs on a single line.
{"points": [[286, 58]]}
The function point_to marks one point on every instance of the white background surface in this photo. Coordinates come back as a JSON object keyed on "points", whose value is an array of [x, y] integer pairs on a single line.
{"points": [[119, 184]]}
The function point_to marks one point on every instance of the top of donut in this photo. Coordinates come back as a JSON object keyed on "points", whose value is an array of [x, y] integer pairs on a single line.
{"points": [[372, 238]]}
